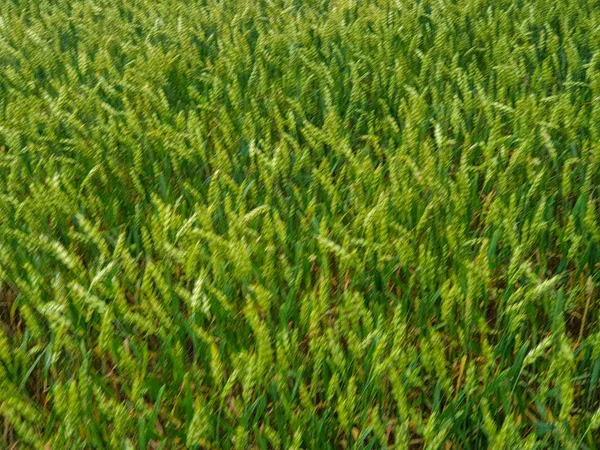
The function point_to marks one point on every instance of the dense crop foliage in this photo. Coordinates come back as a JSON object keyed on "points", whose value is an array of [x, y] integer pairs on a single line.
{"points": [[299, 224]]}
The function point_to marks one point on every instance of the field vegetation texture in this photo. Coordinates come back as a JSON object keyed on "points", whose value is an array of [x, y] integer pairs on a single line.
{"points": [[299, 224]]}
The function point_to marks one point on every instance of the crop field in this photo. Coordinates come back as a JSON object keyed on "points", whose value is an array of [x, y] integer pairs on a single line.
{"points": [[299, 224]]}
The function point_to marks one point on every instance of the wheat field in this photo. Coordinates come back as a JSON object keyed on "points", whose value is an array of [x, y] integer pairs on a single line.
{"points": [[299, 224]]}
